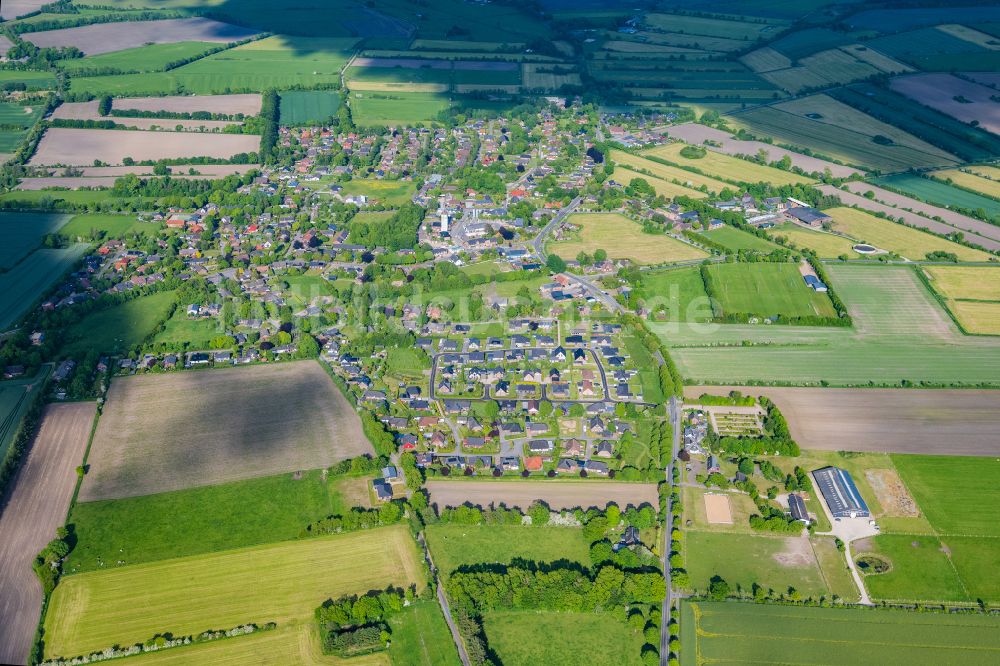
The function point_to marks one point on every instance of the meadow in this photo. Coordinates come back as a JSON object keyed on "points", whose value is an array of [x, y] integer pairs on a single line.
{"points": [[754, 634], [420, 637], [971, 293], [680, 291], [559, 639], [28, 281], [95, 226], [735, 239], [147, 58], [670, 174], [15, 121], [22, 233], [766, 290], [969, 181], [900, 334], [301, 107], [825, 245], [942, 194], [281, 583], [386, 192], [202, 520], [904, 241], [119, 328], [397, 108], [137, 449], [33, 79], [622, 238], [625, 175], [180, 332], [453, 546], [726, 167]]}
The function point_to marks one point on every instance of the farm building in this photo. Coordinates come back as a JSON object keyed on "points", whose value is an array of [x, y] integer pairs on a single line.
{"points": [[814, 282], [808, 215], [797, 507], [840, 493]]}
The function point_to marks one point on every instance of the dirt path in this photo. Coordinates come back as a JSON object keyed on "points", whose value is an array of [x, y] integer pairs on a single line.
{"points": [[557, 494], [37, 506]]}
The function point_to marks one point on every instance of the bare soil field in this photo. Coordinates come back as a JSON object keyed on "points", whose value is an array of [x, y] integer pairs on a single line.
{"points": [[717, 509], [11, 9], [109, 37], [914, 219], [37, 506], [892, 493], [88, 111], [5, 45], [557, 494], [198, 428], [247, 104], [939, 91], [926, 421], [80, 147], [697, 134], [420, 63]]}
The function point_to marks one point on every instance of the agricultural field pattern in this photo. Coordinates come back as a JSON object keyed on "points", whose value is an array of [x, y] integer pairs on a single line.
{"points": [[493, 333]]}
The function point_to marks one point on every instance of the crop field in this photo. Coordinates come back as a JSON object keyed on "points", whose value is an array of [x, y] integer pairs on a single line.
{"points": [[696, 134], [972, 293], [247, 104], [969, 181], [624, 175], [568, 494], [37, 506], [736, 239], [747, 633], [455, 545], [22, 233], [622, 238], [65, 146], [942, 92], [33, 79], [27, 282], [824, 69], [274, 62], [899, 333], [556, 638], [936, 192], [16, 396], [766, 290], [671, 174], [89, 111], [726, 167], [151, 58], [138, 450], [826, 245], [149, 528], [975, 231], [905, 241], [283, 583], [299, 107], [397, 108], [15, 121], [108, 37]]}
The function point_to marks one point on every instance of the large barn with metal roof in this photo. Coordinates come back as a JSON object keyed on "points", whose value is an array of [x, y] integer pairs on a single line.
{"points": [[840, 493]]}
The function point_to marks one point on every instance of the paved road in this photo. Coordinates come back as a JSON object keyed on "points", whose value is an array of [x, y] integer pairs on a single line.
{"points": [[603, 297], [674, 412], [538, 244]]}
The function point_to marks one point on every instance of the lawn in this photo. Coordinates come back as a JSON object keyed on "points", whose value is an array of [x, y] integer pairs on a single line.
{"points": [[97, 226], [557, 639], [622, 238], [766, 290], [736, 239], [771, 561], [119, 328], [681, 291], [22, 233], [972, 294], [824, 244], [281, 583], [760, 634], [301, 107], [903, 240], [27, 282], [420, 637], [179, 332], [900, 333], [202, 520], [455, 545], [726, 167]]}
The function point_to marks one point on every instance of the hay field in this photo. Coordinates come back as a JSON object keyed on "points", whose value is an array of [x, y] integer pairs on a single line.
{"points": [[37, 506], [826, 245], [764, 290], [969, 181], [622, 239], [728, 168], [972, 293], [752, 633], [191, 429], [282, 583], [108, 37], [938, 421], [910, 243], [624, 175], [80, 147], [558, 495], [668, 173]]}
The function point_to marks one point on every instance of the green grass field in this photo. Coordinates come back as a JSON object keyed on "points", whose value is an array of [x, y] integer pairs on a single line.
{"points": [[16, 396], [301, 107], [388, 192], [921, 570], [22, 233], [681, 291], [823, 244], [406, 362], [622, 238], [179, 332], [15, 121], [765, 290], [282, 582], [736, 239], [196, 521], [455, 545], [420, 637], [905, 241], [942, 194], [726, 167], [27, 282], [524, 637], [741, 633], [900, 333], [94, 226], [119, 328], [397, 108], [149, 58], [33, 79]]}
